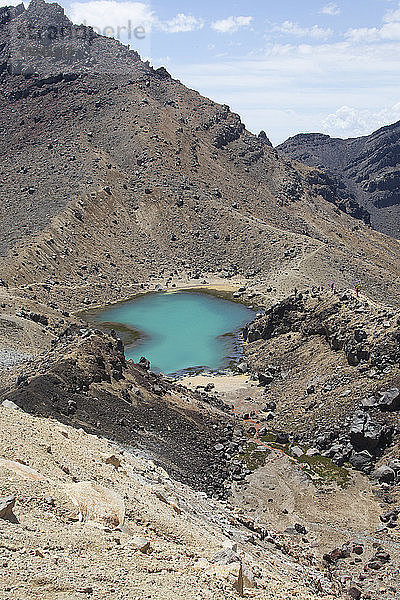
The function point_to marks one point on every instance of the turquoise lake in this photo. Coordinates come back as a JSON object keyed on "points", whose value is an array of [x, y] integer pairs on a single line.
{"points": [[182, 330]]}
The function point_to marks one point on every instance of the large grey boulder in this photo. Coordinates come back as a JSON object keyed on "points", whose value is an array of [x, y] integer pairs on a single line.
{"points": [[364, 433], [384, 474], [390, 400], [361, 460]]}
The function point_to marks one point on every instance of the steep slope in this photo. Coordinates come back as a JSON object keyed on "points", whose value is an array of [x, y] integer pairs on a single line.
{"points": [[365, 169], [94, 521], [112, 172]]}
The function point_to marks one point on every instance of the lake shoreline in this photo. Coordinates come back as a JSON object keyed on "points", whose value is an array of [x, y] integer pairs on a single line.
{"points": [[116, 317]]}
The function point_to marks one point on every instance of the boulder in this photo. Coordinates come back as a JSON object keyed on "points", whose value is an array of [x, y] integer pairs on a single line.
{"points": [[390, 400], [358, 549], [395, 465], [383, 474], [369, 402], [354, 593], [12, 405], [382, 556], [391, 515], [323, 440], [296, 451], [282, 438], [144, 363], [361, 460], [97, 504], [312, 452], [110, 459], [364, 433], [265, 378], [140, 543], [6, 508], [360, 335], [227, 556]]}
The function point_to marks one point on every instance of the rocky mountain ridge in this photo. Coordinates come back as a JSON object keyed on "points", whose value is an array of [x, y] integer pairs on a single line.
{"points": [[94, 156], [365, 170]]}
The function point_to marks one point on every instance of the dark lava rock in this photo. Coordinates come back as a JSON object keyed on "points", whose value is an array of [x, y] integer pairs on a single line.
{"points": [[279, 319], [384, 474], [361, 460], [144, 363], [300, 528], [282, 438], [391, 515], [364, 433], [265, 378], [335, 555], [390, 400], [354, 593]]}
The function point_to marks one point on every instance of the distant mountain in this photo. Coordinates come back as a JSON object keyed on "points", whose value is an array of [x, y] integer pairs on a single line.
{"points": [[366, 170]]}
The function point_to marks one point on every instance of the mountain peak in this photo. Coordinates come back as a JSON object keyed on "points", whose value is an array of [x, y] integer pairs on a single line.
{"points": [[42, 41], [46, 14]]}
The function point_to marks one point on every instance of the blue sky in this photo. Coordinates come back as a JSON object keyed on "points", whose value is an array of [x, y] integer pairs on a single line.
{"points": [[285, 67]]}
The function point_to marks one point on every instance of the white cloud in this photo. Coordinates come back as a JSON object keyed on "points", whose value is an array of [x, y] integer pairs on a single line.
{"points": [[231, 24], [181, 23], [330, 9], [115, 19], [390, 30], [289, 88], [291, 28], [392, 15], [354, 121], [110, 17]]}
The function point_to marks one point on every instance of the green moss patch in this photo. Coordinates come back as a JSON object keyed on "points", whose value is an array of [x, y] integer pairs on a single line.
{"points": [[253, 457], [322, 470]]}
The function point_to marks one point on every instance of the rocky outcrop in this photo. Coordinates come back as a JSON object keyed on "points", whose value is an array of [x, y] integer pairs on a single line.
{"points": [[279, 319], [357, 346], [41, 40], [333, 190], [322, 319]]}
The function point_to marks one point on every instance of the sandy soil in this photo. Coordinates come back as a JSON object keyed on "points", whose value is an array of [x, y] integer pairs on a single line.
{"points": [[222, 383], [51, 554]]}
